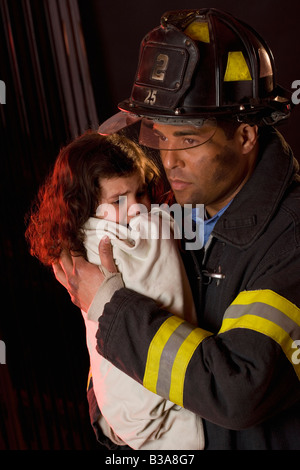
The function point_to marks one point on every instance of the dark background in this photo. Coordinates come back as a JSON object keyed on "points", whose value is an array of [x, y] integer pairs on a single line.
{"points": [[42, 385]]}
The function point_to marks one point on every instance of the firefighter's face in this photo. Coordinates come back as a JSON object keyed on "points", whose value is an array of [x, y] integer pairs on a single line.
{"points": [[212, 173]]}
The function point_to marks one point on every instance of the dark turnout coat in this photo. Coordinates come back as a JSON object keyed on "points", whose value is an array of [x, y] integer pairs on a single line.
{"points": [[240, 369]]}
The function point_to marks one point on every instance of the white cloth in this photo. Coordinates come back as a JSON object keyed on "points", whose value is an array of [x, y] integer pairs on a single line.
{"points": [[148, 258]]}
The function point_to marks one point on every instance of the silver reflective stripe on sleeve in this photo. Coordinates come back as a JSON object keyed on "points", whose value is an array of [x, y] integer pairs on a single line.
{"points": [[268, 313]]}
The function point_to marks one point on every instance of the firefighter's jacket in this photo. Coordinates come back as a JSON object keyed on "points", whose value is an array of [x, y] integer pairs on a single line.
{"points": [[240, 369]]}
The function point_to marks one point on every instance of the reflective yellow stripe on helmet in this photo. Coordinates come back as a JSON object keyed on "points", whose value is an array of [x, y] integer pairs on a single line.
{"points": [[237, 68], [168, 357], [268, 313]]}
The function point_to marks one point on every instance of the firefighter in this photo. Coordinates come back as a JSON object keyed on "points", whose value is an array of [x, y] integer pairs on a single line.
{"points": [[205, 95]]}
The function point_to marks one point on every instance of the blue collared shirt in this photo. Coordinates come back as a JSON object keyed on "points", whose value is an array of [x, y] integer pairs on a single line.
{"points": [[209, 224]]}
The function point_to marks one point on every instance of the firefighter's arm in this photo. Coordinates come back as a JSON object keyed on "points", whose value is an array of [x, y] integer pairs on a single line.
{"points": [[237, 378]]}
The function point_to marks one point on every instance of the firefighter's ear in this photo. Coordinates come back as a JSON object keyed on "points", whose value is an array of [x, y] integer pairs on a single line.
{"points": [[248, 137]]}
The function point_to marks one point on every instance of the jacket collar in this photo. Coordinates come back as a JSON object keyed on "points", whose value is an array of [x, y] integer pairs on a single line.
{"points": [[253, 207]]}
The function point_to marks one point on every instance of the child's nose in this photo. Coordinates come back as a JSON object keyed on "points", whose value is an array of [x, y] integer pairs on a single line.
{"points": [[135, 208]]}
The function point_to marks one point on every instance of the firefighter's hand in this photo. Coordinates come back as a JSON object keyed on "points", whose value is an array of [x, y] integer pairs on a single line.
{"points": [[81, 278]]}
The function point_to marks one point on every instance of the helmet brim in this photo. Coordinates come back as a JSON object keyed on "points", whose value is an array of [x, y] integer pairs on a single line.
{"points": [[117, 122]]}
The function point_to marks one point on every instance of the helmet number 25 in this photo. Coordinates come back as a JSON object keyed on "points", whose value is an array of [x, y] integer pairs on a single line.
{"points": [[151, 97], [158, 73]]}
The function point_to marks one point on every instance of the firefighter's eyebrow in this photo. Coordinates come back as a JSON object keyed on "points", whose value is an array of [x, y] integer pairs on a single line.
{"points": [[183, 132]]}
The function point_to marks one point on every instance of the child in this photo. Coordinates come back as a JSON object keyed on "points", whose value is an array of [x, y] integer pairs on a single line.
{"points": [[80, 203]]}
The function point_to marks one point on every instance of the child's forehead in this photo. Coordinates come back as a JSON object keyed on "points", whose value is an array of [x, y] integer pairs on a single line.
{"points": [[122, 183]]}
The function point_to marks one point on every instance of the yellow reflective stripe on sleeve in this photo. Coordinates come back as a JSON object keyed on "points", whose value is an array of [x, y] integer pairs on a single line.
{"points": [[155, 351], [272, 299], [168, 357], [181, 362], [268, 313]]}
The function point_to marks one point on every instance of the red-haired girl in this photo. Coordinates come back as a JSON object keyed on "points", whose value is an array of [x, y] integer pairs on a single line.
{"points": [[93, 172]]}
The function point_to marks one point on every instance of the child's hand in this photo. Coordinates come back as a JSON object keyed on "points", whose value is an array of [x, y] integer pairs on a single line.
{"points": [[106, 255]]}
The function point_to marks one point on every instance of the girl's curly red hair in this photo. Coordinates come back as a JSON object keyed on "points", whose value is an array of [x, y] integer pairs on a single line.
{"points": [[72, 191]]}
